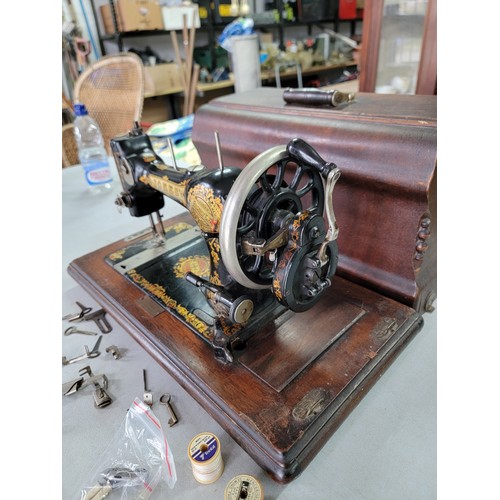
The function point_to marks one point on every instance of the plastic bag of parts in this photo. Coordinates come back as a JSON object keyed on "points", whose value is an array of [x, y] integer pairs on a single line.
{"points": [[240, 26], [137, 462]]}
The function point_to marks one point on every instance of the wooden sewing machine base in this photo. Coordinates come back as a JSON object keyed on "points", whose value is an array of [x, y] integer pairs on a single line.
{"points": [[296, 380]]}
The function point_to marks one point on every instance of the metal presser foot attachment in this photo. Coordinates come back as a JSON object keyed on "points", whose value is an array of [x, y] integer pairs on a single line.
{"points": [[159, 237], [101, 397], [100, 382]]}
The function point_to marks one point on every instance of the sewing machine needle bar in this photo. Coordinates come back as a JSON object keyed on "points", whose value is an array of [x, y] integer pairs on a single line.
{"points": [[152, 224], [158, 215]]}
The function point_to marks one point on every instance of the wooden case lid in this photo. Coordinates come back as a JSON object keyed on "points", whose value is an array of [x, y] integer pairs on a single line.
{"points": [[385, 200]]}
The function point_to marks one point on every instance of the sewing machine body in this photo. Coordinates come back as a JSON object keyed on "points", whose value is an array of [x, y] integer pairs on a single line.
{"points": [[268, 248]]}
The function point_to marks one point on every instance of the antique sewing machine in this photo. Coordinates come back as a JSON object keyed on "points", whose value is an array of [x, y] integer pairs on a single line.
{"points": [[301, 327], [269, 232]]}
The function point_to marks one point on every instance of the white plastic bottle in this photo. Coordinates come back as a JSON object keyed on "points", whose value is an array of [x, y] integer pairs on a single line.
{"points": [[91, 151]]}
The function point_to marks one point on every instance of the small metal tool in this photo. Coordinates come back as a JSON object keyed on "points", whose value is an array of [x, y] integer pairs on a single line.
{"points": [[78, 316], [73, 329], [99, 318], [165, 400], [73, 386], [148, 395], [88, 354], [101, 397], [114, 351], [116, 477]]}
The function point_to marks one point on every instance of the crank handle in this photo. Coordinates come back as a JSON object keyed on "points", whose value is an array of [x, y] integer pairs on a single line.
{"points": [[333, 229], [303, 153]]}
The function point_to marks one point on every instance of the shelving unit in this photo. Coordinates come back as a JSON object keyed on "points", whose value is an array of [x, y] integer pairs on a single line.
{"points": [[214, 27]]}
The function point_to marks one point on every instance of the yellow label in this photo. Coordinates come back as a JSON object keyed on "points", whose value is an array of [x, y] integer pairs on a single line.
{"points": [[197, 264], [225, 10], [203, 11]]}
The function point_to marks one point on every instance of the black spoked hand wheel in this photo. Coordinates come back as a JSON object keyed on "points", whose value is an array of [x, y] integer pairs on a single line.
{"points": [[271, 190]]}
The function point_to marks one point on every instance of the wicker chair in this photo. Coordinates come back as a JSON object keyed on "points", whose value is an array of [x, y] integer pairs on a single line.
{"points": [[69, 148], [112, 90]]}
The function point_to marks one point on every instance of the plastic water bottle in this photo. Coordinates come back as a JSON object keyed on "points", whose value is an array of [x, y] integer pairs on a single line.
{"points": [[91, 151]]}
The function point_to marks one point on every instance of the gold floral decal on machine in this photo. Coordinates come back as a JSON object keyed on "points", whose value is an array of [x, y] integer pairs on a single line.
{"points": [[214, 247], [159, 292], [205, 208], [179, 227], [118, 254], [175, 190], [196, 264], [292, 246]]}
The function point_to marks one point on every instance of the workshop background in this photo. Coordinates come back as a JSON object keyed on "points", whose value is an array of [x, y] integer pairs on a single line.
{"points": [[300, 43]]}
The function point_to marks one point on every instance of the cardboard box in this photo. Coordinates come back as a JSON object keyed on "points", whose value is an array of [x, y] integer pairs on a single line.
{"points": [[107, 19], [173, 17], [133, 15], [162, 78]]}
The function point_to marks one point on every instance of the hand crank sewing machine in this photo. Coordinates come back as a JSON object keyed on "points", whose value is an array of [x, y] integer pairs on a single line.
{"points": [[251, 271], [269, 229]]}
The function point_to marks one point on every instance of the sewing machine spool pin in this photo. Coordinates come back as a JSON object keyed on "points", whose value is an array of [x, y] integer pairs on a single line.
{"points": [[172, 152], [219, 152]]}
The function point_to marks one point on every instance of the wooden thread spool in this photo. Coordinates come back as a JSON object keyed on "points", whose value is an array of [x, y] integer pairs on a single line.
{"points": [[206, 458], [244, 486]]}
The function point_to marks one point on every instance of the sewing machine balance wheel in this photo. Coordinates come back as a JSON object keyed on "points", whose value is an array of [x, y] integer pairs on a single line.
{"points": [[272, 231]]}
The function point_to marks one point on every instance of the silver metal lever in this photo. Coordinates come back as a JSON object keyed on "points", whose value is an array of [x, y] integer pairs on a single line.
{"points": [[333, 228]]}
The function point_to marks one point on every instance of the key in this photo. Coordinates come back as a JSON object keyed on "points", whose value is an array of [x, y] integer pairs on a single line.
{"points": [[148, 395], [73, 329], [165, 400]]}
